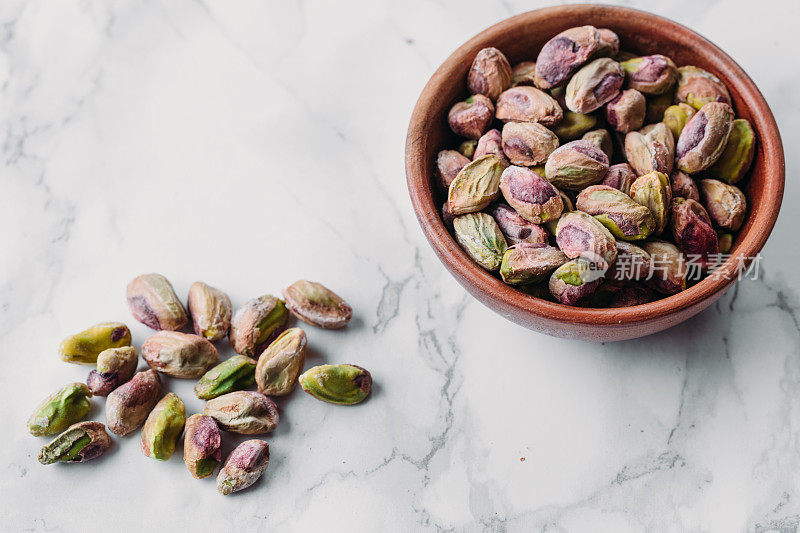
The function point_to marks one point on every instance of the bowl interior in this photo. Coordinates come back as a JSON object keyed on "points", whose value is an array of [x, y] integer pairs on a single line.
{"points": [[520, 38]]}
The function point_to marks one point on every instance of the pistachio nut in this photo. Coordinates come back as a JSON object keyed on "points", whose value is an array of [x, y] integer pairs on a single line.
{"points": [[624, 218], [163, 427], [128, 405], [233, 374], [692, 231], [254, 323], [697, 87], [467, 148], [654, 191], [523, 74], [602, 139], [559, 94], [60, 410], [676, 116], [489, 74], [491, 143], [655, 74], [528, 143], [615, 294], [737, 157], [476, 186], [703, 139], [345, 384], [565, 53], [447, 216], [609, 43], [650, 149], [527, 263], [657, 105], [632, 263], [726, 204], [472, 117], [725, 242], [84, 347], [573, 125], [79, 443], [210, 309], [202, 446], [683, 186], [574, 282], [315, 304], [180, 355], [480, 237], [115, 366], [537, 290], [281, 363], [626, 111], [532, 196], [515, 228], [668, 267], [245, 464], [620, 177], [153, 302], [243, 412], [528, 104], [594, 85], [579, 234], [576, 165]]}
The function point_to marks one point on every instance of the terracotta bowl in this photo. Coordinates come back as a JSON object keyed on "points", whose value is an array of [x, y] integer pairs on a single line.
{"points": [[520, 38]]}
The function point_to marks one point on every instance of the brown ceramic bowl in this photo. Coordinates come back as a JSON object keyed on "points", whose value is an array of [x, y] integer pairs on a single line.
{"points": [[520, 38]]}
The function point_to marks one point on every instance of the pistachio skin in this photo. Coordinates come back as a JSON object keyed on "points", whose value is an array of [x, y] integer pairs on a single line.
{"points": [[476, 186], [60, 410], [84, 347], [626, 111], [180, 355], [280, 364], [532, 197], [472, 117], [698, 87], [523, 74], [115, 366], [594, 85], [669, 267], [654, 191], [574, 125], [317, 305], [492, 143], [480, 237], [489, 74], [163, 427], [254, 322], [448, 164], [202, 446], [528, 143], [447, 217], [737, 157], [579, 234], [655, 74], [233, 374], [651, 149], [726, 204], [576, 165], [528, 104], [210, 309], [624, 217], [153, 302], [692, 230], [79, 443], [528, 263], [602, 139], [243, 467], [683, 186], [609, 43], [467, 148], [703, 139], [676, 116], [515, 228], [620, 176], [128, 405], [243, 412], [574, 282], [345, 384], [632, 263], [564, 54]]}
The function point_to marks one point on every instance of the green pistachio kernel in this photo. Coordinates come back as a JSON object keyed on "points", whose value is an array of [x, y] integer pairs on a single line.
{"points": [[735, 160], [84, 347], [81, 442], [163, 427], [59, 410], [573, 125], [237, 373], [340, 384]]}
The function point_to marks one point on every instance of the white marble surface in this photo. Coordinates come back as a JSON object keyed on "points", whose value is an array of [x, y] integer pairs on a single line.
{"points": [[248, 144]]}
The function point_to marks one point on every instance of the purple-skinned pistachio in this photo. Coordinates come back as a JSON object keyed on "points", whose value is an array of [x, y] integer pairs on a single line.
{"points": [[692, 231], [594, 85], [620, 177], [533, 197], [676, 116], [625, 218], [317, 305], [491, 144], [255, 322], [726, 204], [528, 143], [243, 412], [683, 186], [703, 139], [564, 54], [576, 165], [448, 164], [210, 309], [472, 117], [202, 445], [609, 43], [476, 186], [480, 237], [523, 74], [668, 267], [527, 263], [245, 464], [626, 112], [515, 228], [698, 87], [613, 294], [79, 443], [180, 355], [632, 263], [528, 104], [651, 149], [115, 366], [653, 191], [153, 302], [129, 404], [602, 139], [575, 282], [655, 74], [573, 125], [579, 234], [490, 73], [737, 157]]}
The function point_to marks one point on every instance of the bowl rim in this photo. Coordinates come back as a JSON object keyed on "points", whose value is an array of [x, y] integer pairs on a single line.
{"points": [[490, 288]]}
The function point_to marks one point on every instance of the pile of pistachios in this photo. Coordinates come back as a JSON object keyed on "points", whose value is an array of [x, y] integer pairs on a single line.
{"points": [[268, 356], [594, 177]]}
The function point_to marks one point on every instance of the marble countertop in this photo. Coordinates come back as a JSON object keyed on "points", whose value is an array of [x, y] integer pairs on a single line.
{"points": [[249, 144]]}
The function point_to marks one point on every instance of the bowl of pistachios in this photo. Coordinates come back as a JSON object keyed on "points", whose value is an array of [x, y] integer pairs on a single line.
{"points": [[594, 172]]}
